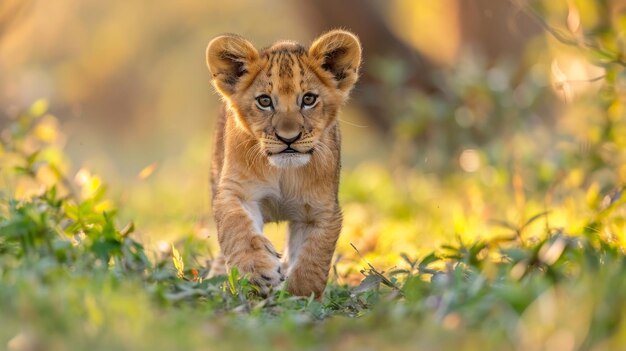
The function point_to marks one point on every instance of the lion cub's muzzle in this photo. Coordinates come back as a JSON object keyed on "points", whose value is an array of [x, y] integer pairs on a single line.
{"points": [[291, 153], [288, 142]]}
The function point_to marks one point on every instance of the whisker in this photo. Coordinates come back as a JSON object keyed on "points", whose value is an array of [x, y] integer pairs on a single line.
{"points": [[352, 124], [325, 153]]}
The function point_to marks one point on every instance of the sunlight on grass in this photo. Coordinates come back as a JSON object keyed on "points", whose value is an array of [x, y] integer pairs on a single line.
{"points": [[492, 218]]}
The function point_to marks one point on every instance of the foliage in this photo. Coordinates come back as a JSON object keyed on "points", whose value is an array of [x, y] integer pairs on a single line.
{"points": [[521, 248]]}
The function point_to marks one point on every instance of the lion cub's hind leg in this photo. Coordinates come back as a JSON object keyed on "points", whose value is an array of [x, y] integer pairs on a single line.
{"points": [[295, 239], [218, 266]]}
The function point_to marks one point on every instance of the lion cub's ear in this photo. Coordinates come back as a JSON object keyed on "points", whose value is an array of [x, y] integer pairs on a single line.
{"points": [[229, 57], [338, 52]]}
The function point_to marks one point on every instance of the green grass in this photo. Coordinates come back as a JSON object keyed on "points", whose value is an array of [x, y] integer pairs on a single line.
{"points": [[72, 277]]}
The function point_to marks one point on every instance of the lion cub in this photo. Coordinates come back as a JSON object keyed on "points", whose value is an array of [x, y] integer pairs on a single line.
{"points": [[277, 155]]}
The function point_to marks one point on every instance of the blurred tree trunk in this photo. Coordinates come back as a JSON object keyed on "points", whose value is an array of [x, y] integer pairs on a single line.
{"points": [[11, 12], [496, 28], [364, 19]]}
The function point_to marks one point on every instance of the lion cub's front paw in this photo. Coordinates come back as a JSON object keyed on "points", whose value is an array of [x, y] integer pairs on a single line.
{"points": [[261, 263], [303, 282]]}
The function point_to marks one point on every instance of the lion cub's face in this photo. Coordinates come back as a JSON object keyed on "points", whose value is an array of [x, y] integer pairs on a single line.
{"points": [[286, 96]]}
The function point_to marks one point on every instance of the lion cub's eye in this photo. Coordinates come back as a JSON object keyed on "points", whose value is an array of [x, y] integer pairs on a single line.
{"points": [[264, 102], [308, 100]]}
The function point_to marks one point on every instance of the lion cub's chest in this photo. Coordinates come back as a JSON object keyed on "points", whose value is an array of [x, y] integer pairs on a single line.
{"points": [[285, 206]]}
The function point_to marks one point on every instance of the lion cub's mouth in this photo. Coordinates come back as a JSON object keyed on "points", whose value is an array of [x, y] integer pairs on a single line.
{"points": [[290, 158], [289, 150]]}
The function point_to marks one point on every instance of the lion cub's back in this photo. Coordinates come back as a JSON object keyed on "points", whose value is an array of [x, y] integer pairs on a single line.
{"points": [[218, 150]]}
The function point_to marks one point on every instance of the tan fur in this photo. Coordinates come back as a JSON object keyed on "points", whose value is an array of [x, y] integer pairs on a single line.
{"points": [[253, 182]]}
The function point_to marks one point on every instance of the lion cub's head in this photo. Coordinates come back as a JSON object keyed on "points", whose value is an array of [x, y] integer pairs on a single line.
{"points": [[286, 96]]}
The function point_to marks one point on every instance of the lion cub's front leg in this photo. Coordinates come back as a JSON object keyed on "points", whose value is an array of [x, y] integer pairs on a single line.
{"points": [[311, 248], [243, 244]]}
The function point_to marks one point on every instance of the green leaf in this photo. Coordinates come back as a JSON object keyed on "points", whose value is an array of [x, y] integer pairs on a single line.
{"points": [[370, 282], [432, 257], [535, 217], [233, 276], [178, 262], [128, 229], [408, 260], [38, 108]]}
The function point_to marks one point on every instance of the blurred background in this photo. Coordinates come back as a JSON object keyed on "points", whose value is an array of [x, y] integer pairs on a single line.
{"points": [[471, 115]]}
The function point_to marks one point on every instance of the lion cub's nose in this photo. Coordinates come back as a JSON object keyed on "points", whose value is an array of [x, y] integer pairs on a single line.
{"points": [[288, 140]]}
